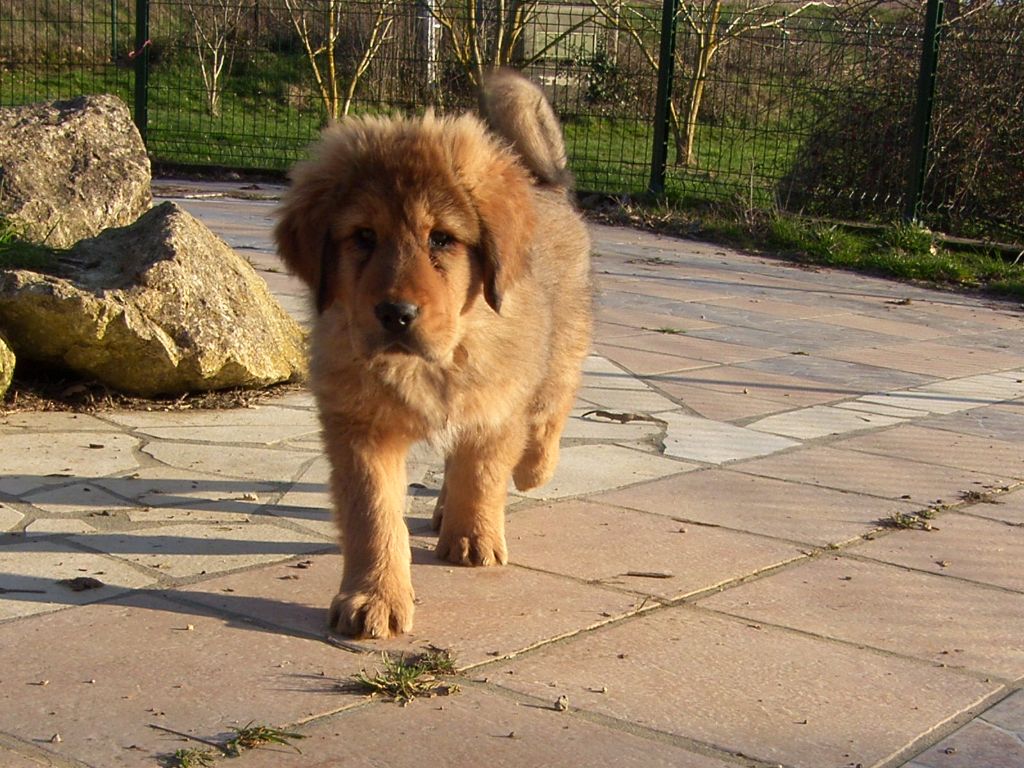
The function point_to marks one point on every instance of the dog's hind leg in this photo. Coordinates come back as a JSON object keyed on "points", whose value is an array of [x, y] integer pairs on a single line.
{"points": [[435, 521], [475, 488]]}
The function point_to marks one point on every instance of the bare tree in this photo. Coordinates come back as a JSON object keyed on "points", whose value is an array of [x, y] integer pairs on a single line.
{"points": [[713, 25], [320, 26], [484, 35], [214, 26]]}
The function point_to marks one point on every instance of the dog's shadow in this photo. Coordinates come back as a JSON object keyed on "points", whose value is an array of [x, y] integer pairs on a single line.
{"points": [[185, 595]]}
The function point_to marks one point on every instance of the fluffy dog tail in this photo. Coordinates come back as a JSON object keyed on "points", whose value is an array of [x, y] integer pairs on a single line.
{"points": [[518, 111]]}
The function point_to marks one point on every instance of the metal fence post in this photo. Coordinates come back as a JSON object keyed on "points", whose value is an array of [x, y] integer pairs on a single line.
{"points": [[113, 30], [923, 111], [666, 65], [140, 58]]}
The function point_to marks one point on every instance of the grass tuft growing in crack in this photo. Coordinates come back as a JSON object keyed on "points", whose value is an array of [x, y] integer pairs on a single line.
{"points": [[920, 521], [403, 679]]}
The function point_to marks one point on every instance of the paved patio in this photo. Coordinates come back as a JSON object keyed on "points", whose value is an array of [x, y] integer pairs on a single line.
{"points": [[715, 584]]}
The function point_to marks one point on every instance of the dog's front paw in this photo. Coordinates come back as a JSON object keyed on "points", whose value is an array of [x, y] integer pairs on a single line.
{"points": [[377, 612], [467, 548]]}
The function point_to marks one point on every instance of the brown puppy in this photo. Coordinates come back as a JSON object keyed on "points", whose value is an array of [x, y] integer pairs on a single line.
{"points": [[451, 274]]}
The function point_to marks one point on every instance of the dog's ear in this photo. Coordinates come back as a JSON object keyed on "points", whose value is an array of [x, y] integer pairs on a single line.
{"points": [[303, 233], [504, 203]]}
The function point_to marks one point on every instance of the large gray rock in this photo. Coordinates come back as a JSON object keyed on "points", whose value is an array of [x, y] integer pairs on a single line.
{"points": [[160, 307], [70, 169], [6, 366]]}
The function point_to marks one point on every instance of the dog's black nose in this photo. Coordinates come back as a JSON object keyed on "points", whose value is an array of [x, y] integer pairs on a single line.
{"points": [[396, 316]]}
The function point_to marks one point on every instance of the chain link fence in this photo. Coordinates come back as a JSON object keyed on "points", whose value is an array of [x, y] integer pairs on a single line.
{"points": [[812, 107]]}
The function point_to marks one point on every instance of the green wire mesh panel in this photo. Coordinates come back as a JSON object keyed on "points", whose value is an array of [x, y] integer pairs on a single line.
{"points": [[810, 110], [57, 49]]}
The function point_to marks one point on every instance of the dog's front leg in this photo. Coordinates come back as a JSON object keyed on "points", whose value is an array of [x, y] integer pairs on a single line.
{"points": [[368, 487], [472, 513]]}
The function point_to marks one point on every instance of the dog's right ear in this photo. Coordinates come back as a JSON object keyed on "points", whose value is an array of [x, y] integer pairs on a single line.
{"points": [[303, 234]]}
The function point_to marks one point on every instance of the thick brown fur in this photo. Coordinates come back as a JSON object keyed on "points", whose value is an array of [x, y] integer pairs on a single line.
{"points": [[469, 223]]}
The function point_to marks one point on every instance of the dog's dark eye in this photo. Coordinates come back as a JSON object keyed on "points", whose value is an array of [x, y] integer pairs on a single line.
{"points": [[439, 240], [364, 238]]}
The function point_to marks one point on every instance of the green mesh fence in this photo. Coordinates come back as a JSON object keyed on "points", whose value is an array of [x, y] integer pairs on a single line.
{"points": [[800, 108]]}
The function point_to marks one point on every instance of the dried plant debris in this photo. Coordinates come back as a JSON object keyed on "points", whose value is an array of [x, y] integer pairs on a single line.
{"points": [[248, 737], [81, 583], [193, 758], [623, 418], [979, 497], [920, 521], [404, 678], [253, 736], [670, 330], [38, 388]]}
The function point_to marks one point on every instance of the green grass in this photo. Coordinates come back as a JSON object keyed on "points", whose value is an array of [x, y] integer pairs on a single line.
{"points": [[614, 155], [18, 253], [193, 758], [252, 736], [900, 251], [403, 679]]}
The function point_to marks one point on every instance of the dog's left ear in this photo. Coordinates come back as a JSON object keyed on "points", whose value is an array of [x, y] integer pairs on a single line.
{"points": [[504, 203]]}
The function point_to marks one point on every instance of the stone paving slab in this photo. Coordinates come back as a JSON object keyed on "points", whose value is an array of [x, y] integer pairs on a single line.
{"points": [[37, 566], [1009, 508], [713, 442], [967, 452], [892, 326], [33, 459], [646, 363], [479, 614], [716, 405], [164, 486], [770, 507], [932, 359], [771, 695], [144, 660], [469, 728], [792, 391], [961, 546], [944, 621], [994, 740], [1002, 422], [821, 421], [856, 378], [978, 745], [197, 550], [638, 552], [878, 475], [231, 460], [591, 468]]}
